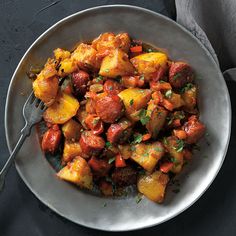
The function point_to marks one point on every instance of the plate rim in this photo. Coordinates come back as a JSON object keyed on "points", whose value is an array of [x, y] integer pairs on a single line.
{"points": [[167, 19]]}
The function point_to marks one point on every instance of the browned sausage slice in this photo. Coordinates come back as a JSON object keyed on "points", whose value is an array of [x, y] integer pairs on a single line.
{"points": [[90, 143], [112, 87], [80, 80], [180, 73], [109, 108], [194, 129], [99, 166]]}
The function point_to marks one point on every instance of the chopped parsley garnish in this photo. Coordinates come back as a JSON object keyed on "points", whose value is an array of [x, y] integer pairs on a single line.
{"points": [[168, 93], [172, 159], [131, 102], [105, 204], [187, 87], [158, 149], [162, 81], [108, 144], [99, 78], [141, 77], [107, 70], [150, 50], [144, 119], [133, 148], [139, 198], [95, 121], [165, 141], [180, 145], [111, 160], [196, 147], [137, 138], [176, 76]]}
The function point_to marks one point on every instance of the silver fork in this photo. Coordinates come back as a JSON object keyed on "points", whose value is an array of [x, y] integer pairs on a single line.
{"points": [[32, 111]]}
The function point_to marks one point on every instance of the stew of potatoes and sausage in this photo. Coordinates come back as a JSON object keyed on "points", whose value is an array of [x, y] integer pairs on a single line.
{"points": [[123, 114]]}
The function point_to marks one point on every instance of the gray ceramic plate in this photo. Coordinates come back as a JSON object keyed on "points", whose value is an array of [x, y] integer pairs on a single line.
{"points": [[123, 213]]}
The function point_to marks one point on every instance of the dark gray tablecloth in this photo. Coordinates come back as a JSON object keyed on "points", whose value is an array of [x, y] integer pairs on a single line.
{"points": [[20, 212]]}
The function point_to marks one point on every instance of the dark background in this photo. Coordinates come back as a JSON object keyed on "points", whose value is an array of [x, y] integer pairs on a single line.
{"points": [[22, 21]]}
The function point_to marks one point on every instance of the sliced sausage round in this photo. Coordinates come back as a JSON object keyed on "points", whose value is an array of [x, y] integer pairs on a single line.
{"points": [[91, 144], [80, 80], [112, 87], [194, 130], [180, 73], [109, 108], [99, 166], [114, 133], [51, 139]]}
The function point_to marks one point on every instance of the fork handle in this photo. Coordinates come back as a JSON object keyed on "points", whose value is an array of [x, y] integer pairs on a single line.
{"points": [[24, 133]]}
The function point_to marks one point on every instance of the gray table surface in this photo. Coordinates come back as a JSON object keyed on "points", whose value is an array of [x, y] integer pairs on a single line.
{"points": [[23, 214]]}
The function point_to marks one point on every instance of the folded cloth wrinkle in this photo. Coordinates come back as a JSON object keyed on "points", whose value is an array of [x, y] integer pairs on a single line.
{"points": [[213, 22]]}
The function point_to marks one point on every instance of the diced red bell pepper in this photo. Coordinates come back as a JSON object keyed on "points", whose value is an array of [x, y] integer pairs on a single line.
{"points": [[119, 162]]}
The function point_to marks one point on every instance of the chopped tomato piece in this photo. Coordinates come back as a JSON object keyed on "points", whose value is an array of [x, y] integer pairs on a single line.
{"points": [[120, 162], [136, 49], [166, 167]]}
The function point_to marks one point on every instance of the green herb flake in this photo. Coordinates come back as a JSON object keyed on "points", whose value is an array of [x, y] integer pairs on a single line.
{"points": [[158, 149], [187, 87], [107, 70], [207, 134], [131, 102], [176, 76], [172, 159], [111, 160], [144, 119], [168, 93], [99, 78], [180, 145], [141, 77], [162, 81], [105, 204], [95, 121], [196, 147], [108, 144], [139, 198], [137, 138], [165, 141], [133, 148]]}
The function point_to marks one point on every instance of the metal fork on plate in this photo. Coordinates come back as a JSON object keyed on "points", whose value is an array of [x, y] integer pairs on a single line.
{"points": [[32, 111]]}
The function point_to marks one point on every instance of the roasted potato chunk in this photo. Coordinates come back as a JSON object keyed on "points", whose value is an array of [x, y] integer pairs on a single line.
{"points": [[157, 120], [190, 98], [46, 84], [71, 150], [116, 64], [61, 54], [147, 155], [71, 130], [149, 63], [175, 148], [85, 57], [108, 41], [176, 100], [67, 66], [153, 186], [77, 172], [64, 108], [135, 99]]}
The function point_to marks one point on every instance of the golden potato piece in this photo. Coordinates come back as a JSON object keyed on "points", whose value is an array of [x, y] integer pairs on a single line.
{"points": [[46, 89], [190, 99], [135, 99], [62, 110], [108, 41], [77, 172], [175, 148], [149, 63], [153, 186], [116, 64], [71, 150], [157, 119], [46, 84], [147, 155], [176, 100], [85, 57], [71, 130], [61, 54], [67, 66]]}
